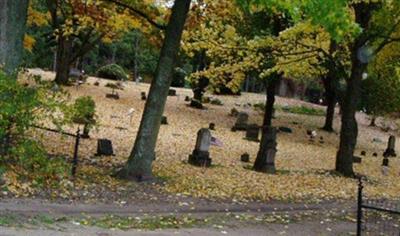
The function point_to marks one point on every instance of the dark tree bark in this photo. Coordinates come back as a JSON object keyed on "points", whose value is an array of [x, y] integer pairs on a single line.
{"points": [[271, 85], [64, 57], [13, 16], [349, 129], [139, 165], [201, 85], [330, 97]]}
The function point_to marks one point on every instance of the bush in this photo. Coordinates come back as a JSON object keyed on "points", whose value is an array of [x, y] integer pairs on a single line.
{"points": [[22, 107], [113, 72], [303, 110], [84, 111]]}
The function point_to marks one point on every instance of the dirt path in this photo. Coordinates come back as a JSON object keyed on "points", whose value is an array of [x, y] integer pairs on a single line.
{"points": [[32, 206], [317, 219]]}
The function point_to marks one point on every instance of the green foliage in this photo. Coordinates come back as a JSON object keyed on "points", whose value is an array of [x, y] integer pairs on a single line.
{"points": [[302, 110], [84, 111], [113, 72], [23, 106]]}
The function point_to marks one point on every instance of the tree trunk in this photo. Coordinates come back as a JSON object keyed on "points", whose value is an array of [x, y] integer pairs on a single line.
{"points": [[349, 130], [269, 107], [13, 16], [141, 158], [64, 55], [330, 96]]}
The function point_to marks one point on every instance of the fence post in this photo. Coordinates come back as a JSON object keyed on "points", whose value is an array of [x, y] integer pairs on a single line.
{"points": [[75, 160], [359, 207]]}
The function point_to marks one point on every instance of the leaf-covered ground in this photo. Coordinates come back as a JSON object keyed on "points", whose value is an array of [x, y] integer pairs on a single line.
{"points": [[304, 167]]}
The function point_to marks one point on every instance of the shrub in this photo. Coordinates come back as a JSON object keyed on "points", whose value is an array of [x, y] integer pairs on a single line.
{"points": [[113, 72], [23, 106], [84, 111]]}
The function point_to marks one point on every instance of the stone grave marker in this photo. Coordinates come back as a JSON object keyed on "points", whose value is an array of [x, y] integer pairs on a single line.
{"points": [[164, 120], [390, 152], [374, 154], [172, 92], [201, 155], [357, 159], [241, 122], [143, 95], [187, 99], [211, 126], [285, 129], [252, 132], [245, 157], [234, 112], [385, 166], [104, 147], [265, 161], [363, 153]]}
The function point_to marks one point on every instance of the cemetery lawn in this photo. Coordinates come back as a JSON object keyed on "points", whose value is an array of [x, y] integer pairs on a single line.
{"points": [[304, 167]]}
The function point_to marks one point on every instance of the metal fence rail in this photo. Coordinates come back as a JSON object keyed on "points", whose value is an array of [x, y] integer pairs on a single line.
{"points": [[377, 216]]}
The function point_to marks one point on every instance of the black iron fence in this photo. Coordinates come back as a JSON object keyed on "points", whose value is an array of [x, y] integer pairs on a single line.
{"points": [[377, 216], [77, 137]]}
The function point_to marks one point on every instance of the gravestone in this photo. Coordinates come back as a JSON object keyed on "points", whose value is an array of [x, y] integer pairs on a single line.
{"points": [[234, 112], [241, 122], [390, 152], [164, 120], [285, 129], [113, 95], [201, 155], [211, 126], [265, 161], [172, 92], [97, 83], [196, 104], [252, 132], [357, 159], [187, 99], [374, 154], [363, 153], [143, 96], [245, 157], [104, 147], [385, 166]]}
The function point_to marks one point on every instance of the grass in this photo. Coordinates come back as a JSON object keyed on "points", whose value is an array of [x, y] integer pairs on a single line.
{"points": [[302, 110]]}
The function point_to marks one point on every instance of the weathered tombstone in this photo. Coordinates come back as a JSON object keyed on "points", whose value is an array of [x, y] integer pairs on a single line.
{"points": [[357, 159], [265, 161], [385, 166], [187, 99], [196, 104], [245, 157], [241, 121], [374, 154], [201, 155], [172, 92], [252, 132], [390, 152], [285, 129], [164, 120], [234, 112], [143, 95], [97, 83], [113, 95], [211, 126], [321, 140], [363, 153], [104, 148]]}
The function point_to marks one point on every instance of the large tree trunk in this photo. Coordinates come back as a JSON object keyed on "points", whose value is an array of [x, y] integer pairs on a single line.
{"points": [[12, 30], [349, 129], [269, 106], [64, 57], [330, 97], [139, 165]]}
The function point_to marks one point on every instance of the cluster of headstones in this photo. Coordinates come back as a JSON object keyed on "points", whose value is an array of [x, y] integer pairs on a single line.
{"points": [[389, 152]]}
